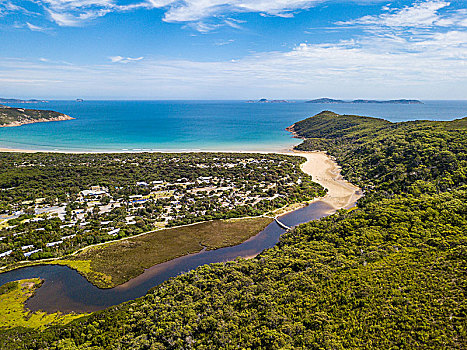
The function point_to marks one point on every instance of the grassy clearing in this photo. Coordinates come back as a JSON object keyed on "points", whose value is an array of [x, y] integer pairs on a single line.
{"points": [[115, 263], [13, 313], [84, 267]]}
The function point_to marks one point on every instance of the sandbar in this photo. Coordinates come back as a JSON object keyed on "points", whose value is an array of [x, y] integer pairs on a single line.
{"points": [[325, 171]]}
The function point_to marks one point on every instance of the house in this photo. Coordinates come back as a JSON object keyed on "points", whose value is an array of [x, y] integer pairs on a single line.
{"points": [[135, 196], [114, 232], [51, 244], [8, 252], [94, 191], [32, 252]]}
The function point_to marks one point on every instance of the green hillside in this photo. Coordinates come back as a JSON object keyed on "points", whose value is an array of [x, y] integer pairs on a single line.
{"points": [[330, 125], [388, 275], [387, 158], [10, 116]]}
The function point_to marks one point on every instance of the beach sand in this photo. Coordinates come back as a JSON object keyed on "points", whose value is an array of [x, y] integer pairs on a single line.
{"points": [[341, 193], [16, 150]]}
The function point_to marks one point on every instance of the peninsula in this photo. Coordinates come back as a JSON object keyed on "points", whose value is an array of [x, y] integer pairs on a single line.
{"points": [[332, 101], [10, 116], [17, 100]]}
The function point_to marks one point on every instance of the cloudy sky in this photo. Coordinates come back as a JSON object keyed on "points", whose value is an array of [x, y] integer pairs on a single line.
{"points": [[233, 49]]}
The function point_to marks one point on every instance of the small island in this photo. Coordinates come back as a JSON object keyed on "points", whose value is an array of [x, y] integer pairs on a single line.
{"points": [[332, 101], [265, 100], [10, 116]]}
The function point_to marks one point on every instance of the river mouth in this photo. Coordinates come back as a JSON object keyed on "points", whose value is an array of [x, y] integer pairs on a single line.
{"points": [[65, 290]]}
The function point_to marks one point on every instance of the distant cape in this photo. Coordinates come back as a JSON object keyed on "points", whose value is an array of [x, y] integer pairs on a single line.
{"points": [[17, 100], [330, 100]]}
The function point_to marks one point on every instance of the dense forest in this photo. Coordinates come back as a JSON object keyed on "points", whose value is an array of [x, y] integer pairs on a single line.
{"points": [[390, 274]]}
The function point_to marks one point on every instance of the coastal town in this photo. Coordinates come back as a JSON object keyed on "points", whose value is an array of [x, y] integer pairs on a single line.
{"points": [[146, 192]]}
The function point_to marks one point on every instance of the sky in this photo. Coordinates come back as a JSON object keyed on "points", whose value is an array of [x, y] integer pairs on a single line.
{"points": [[233, 49]]}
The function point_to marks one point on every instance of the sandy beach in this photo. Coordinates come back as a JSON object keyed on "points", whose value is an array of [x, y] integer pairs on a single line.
{"points": [[341, 193], [17, 150]]}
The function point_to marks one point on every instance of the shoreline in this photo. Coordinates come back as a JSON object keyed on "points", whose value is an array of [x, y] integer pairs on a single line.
{"points": [[261, 151], [35, 121]]}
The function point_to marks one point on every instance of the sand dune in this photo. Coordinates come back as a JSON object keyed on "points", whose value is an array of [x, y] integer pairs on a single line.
{"points": [[341, 193]]}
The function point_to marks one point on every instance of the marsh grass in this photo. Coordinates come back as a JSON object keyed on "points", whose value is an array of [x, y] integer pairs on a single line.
{"points": [[115, 263], [13, 313]]}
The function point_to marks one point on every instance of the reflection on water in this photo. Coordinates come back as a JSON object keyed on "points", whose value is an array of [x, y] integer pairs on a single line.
{"points": [[66, 290]]}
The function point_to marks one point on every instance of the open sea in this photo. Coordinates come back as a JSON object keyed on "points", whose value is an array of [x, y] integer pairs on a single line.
{"points": [[124, 126]]}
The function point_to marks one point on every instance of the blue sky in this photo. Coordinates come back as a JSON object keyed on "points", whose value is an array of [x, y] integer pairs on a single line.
{"points": [[233, 49]]}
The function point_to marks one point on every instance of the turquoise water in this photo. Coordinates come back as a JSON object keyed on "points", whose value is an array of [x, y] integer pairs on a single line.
{"points": [[193, 125]]}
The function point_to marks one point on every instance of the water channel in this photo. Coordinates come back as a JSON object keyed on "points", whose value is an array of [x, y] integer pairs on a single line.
{"points": [[66, 290]]}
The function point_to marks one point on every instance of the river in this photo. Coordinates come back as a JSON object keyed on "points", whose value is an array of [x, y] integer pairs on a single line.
{"points": [[65, 290]]}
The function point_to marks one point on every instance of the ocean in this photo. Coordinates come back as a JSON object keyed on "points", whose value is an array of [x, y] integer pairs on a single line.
{"points": [[129, 126]]}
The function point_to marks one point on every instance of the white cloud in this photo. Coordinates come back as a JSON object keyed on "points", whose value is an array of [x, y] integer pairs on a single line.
{"points": [[65, 19], [224, 42], [7, 7], [419, 14], [120, 59], [426, 66], [196, 10], [399, 54], [76, 12], [35, 28]]}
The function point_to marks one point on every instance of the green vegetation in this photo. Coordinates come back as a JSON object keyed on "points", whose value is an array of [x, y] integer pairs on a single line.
{"points": [[13, 313], [56, 204], [388, 275], [387, 158], [10, 116], [115, 263], [85, 268]]}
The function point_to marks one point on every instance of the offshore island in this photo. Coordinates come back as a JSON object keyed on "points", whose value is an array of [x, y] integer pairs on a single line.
{"points": [[389, 271], [326, 100], [360, 101]]}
